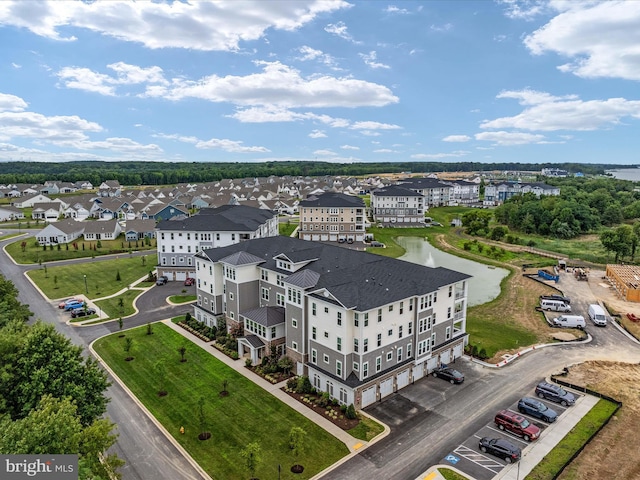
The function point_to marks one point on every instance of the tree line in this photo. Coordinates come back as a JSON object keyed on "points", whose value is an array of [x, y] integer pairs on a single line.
{"points": [[52, 398], [160, 173]]}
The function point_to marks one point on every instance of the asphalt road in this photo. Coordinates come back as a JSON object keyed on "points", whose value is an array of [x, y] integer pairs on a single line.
{"points": [[146, 451]]}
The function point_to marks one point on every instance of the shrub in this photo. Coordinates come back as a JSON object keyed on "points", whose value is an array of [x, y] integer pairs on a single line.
{"points": [[187, 317], [482, 354], [247, 362], [304, 385], [324, 399], [292, 383], [351, 412]]}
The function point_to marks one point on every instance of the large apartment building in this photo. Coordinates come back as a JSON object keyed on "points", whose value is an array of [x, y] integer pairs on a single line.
{"points": [[361, 326], [498, 193], [179, 240], [436, 193], [397, 204], [332, 217]]}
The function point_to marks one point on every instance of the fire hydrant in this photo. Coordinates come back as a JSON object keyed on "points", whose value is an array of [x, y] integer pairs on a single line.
{"points": [[182, 430]]}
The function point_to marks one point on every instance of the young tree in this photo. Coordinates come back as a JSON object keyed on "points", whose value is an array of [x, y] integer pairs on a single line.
{"points": [[286, 364], [182, 350], [120, 323], [149, 329], [251, 454], [55, 281], [128, 344], [297, 439], [160, 370], [118, 277]]}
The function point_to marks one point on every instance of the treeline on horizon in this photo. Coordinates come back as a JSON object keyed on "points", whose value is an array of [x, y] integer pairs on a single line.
{"points": [[160, 173]]}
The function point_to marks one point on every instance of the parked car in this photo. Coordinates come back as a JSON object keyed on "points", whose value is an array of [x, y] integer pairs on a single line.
{"points": [[377, 244], [68, 301], [189, 281], [555, 393], [554, 305], [349, 241], [536, 408], [436, 224], [449, 374], [82, 312], [73, 305], [560, 298], [500, 448], [598, 315], [162, 279], [517, 424]]}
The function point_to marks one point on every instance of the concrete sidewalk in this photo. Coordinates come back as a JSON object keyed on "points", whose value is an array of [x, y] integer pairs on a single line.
{"points": [[353, 444]]}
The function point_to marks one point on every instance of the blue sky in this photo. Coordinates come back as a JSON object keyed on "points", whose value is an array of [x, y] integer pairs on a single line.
{"points": [[339, 81]]}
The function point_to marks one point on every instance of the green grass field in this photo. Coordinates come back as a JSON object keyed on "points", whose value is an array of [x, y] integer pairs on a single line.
{"points": [[248, 414], [111, 306], [286, 229], [182, 298], [34, 253], [68, 280]]}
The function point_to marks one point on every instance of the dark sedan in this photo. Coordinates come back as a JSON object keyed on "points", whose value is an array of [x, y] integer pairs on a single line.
{"points": [[82, 312], [536, 408], [500, 448], [449, 374]]}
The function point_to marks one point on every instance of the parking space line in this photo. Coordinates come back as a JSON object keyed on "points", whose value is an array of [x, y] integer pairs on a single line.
{"points": [[511, 435], [477, 458]]}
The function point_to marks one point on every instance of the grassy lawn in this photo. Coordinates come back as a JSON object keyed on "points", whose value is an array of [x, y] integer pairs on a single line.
{"points": [[248, 414], [286, 229], [586, 247], [451, 475], [112, 307], [366, 429], [34, 253], [68, 280], [575, 439], [10, 235], [182, 298]]}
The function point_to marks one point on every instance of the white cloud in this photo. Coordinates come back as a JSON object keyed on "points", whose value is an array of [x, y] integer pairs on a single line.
{"points": [[88, 80], [16, 66], [11, 103], [114, 144], [523, 9], [324, 152], [232, 146], [309, 54], [340, 30], [317, 134], [397, 10], [503, 138], [548, 113], [194, 25], [442, 28], [369, 133], [374, 126], [601, 38], [55, 129], [457, 138], [384, 150], [499, 38], [349, 147], [370, 60], [458, 153]]}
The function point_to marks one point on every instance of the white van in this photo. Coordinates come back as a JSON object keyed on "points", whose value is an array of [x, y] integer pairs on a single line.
{"points": [[554, 305], [569, 321], [597, 315]]}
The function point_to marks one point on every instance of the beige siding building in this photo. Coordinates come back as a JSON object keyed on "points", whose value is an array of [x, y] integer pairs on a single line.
{"points": [[332, 217]]}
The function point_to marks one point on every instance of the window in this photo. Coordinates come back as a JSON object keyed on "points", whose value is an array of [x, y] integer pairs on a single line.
{"points": [[423, 347], [280, 299], [316, 381], [326, 334], [450, 290], [265, 275], [326, 309], [313, 333], [365, 369], [366, 319], [230, 295], [378, 364], [399, 357], [433, 339], [365, 345], [400, 331], [447, 334], [314, 356], [411, 305], [391, 308], [379, 315], [265, 294], [294, 346], [230, 273], [390, 332], [379, 341], [313, 309], [410, 328], [294, 296], [218, 236], [339, 344], [389, 356], [434, 318], [339, 368], [273, 333], [343, 396], [449, 312], [279, 281], [401, 307], [325, 357], [408, 350], [356, 320], [339, 319], [294, 323], [356, 366], [355, 345]]}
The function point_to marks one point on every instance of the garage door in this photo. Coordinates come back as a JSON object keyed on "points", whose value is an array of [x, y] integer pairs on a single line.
{"points": [[368, 396], [418, 372], [432, 364], [324, 238], [445, 357], [180, 276], [403, 379], [333, 238], [316, 238], [457, 350], [386, 387]]}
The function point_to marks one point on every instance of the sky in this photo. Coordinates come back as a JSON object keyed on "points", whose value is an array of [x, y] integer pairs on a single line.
{"points": [[328, 80]]}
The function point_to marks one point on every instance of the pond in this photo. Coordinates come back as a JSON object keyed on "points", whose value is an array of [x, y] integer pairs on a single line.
{"points": [[483, 287]]}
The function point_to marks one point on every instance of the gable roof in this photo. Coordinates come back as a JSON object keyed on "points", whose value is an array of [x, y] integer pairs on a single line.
{"points": [[227, 218], [330, 199], [266, 316]]}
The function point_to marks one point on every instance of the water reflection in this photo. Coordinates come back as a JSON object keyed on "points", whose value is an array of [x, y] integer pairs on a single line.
{"points": [[483, 287]]}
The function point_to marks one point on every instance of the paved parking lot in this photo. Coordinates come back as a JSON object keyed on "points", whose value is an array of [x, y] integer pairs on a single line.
{"points": [[468, 458]]}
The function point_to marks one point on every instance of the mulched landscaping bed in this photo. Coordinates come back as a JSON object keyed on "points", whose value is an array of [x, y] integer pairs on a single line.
{"points": [[340, 419]]}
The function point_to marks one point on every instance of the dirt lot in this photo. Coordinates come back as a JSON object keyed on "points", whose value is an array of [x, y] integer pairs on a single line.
{"points": [[613, 454]]}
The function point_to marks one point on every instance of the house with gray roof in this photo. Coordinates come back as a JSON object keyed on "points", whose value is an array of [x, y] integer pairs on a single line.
{"points": [[332, 217], [361, 326], [102, 230], [497, 193], [179, 240], [398, 205], [64, 231]]}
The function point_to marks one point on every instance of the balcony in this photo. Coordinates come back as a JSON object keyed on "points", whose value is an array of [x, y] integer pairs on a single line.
{"points": [[458, 316], [459, 295]]}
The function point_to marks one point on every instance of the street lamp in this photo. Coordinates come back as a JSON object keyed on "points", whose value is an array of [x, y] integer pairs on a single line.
{"points": [[86, 290]]}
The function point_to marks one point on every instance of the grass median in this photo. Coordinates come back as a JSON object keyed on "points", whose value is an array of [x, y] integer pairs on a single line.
{"points": [[248, 414], [101, 277]]}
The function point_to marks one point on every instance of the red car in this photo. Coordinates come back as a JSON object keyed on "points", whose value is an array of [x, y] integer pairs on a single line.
{"points": [[517, 424], [189, 281]]}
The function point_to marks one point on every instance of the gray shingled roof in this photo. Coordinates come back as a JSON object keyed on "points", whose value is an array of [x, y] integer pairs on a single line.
{"points": [[227, 218], [395, 191], [330, 199], [421, 183], [241, 258], [356, 279], [266, 316], [254, 340]]}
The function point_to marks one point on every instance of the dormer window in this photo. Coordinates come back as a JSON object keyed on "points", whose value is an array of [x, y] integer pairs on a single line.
{"points": [[284, 265]]}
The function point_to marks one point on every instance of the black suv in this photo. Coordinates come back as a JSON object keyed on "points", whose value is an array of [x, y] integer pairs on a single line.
{"points": [[555, 393], [162, 279], [82, 312], [449, 374], [500, 448]]}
